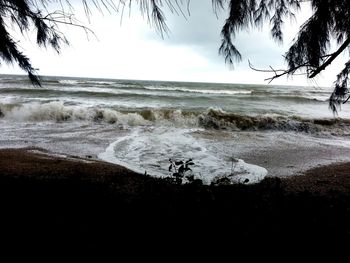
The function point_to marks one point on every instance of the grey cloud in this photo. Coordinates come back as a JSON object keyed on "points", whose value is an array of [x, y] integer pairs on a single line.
{"points": [[201, 31]]}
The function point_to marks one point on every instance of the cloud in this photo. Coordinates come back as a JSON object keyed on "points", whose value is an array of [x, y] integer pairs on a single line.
{"points": [[200, 31]]}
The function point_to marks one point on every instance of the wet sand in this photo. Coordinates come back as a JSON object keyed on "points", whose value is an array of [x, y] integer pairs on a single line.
{"points": [[285, 162], [75, 203]]}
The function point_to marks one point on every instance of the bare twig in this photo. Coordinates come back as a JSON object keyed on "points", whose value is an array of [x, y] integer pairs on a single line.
{"points": [[278, 72]]}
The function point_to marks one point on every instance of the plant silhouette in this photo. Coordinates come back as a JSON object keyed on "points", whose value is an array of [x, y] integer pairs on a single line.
{"points": [[180, 169]]}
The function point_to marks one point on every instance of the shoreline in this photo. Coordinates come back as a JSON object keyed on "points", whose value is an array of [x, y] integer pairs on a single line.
{"points": [[74, 202], [32, 161]]}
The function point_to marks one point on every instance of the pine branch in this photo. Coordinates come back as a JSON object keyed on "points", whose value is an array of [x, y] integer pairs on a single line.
{"points": [[330, 59]]}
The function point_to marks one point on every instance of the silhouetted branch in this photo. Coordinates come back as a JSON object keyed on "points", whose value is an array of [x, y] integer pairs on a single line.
{"points": [[71, 21], [330, 59], [278, 72], [345, 101]]}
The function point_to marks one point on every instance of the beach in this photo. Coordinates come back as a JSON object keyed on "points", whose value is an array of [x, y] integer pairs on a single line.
{"points": [[84, 165], [67, 202], [270, 130]]}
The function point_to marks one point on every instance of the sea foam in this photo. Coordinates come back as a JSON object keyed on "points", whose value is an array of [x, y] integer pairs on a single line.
{"points": [[149, 149]]}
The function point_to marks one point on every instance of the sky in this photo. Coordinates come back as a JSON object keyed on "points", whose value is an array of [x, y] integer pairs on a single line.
{"points": [[129, 47]]}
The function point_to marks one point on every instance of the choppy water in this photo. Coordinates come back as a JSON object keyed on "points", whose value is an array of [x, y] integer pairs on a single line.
{"points": [[141, 124]]}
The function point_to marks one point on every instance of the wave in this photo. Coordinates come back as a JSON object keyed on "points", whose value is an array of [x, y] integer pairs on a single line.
{"points": [[108, 90], [218, 119], [202, 91], [81, 93], [25, 90], [75, 82], [138, 86], [68, 81], [208, 119], [57, 111], [319, 96], [303, 98]]}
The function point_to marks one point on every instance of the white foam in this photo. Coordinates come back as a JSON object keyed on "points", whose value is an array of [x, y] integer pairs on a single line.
{"points": [[39, 112], [149, 149], [68, 81], [244, 173], [9, 99], [75, 82], [109, 155], [203, 91]]}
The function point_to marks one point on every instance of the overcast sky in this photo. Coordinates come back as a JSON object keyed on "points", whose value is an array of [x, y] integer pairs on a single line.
{"points": [[134, 50]]}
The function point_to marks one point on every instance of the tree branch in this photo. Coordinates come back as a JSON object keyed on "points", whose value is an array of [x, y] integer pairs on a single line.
{"points": [[278, 72], [330, 59], [345, 101]]}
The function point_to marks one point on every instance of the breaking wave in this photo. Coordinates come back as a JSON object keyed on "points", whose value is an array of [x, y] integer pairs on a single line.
{"points": [[218, 119], [208, 119]]}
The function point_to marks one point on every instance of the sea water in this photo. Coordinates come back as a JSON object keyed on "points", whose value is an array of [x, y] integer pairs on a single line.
{"points": [[241, 132]]}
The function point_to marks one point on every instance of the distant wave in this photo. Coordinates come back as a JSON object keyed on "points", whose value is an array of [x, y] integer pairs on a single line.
{"points": [[27, 90], [75, 82], [82, 93], [293, 95], [109, 89], [95, 83], [68, 81], [94, 93], [301, 98], [203, 91], [209, 119]]}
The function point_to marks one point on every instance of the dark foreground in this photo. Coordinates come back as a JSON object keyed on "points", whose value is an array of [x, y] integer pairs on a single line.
{"points": [[61, 204]]}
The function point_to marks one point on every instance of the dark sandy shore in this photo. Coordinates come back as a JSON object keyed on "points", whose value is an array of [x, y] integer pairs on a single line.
{"points": [[70, 203]]}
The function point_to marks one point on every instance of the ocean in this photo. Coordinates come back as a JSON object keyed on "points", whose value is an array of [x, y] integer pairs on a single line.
{"points": [[239, 132]]}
